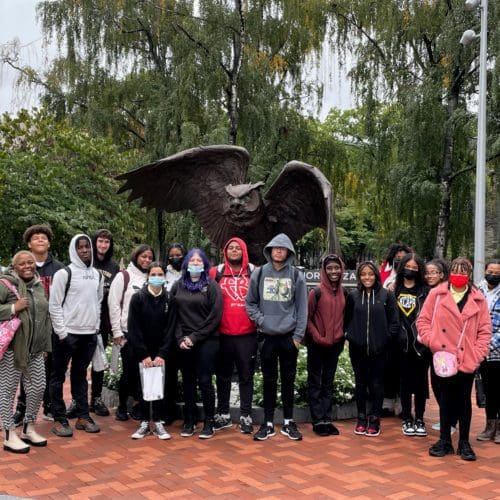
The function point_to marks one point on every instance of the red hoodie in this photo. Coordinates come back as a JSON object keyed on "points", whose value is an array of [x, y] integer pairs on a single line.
{"points": [[234, 288]]}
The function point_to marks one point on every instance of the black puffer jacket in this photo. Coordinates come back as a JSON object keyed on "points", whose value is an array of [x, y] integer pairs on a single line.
{"points": [[371, 320]]}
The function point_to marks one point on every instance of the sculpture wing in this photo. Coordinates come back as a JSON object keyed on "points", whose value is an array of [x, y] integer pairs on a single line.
{"points": [[195, 180], [300, 200]]}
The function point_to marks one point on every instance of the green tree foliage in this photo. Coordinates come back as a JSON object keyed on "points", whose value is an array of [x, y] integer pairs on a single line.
{"points": [[53, 173], [407, 55]]}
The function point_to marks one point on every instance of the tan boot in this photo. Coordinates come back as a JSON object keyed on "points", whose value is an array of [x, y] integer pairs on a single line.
{"points": [[29, 435], [497, 437], [489, 431], [13, 443]]}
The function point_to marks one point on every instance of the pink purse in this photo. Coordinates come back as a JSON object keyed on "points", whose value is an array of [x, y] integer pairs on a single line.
{"points": [[9, 327], [445, 363]]}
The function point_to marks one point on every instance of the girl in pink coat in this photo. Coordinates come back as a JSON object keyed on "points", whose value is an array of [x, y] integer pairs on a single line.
{"points": [[455, 319]]}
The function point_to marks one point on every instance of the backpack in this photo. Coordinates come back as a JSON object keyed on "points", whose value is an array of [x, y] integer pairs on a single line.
{"points": [[126, 281], [221, 267], [68, 282]]}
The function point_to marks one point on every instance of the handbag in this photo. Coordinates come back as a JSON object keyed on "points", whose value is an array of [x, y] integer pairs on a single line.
{"points": [[9, 327], [445, 363]]}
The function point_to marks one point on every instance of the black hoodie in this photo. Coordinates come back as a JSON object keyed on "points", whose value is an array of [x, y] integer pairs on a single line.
{"points": [[108, 269]]}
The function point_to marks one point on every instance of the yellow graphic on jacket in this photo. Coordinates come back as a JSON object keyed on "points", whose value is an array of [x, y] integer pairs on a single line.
{"points": [[277, 289], [407, 303]]}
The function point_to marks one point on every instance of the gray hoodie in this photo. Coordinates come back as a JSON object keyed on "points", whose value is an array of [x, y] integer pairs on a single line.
{"points": [[277, 300], [81, 311]]}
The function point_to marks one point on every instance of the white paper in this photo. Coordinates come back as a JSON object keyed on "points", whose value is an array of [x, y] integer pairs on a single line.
{"points": [[152, 381]]}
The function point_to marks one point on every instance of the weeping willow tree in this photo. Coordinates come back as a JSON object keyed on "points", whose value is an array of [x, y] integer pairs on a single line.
{"points": [[407, 55], [166, 75]]}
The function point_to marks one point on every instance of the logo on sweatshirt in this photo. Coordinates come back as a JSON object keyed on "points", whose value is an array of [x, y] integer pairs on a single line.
{"points": [[277, 289]]}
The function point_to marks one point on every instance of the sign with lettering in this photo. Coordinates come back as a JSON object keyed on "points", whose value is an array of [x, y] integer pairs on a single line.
{"points": [[312, 277]]}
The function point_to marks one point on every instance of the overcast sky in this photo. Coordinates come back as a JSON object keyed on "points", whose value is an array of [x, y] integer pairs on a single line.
{"points": [[17, 21]]}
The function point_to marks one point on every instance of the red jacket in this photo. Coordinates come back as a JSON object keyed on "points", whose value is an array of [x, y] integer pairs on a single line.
{"points": [[440, 325], [325, 322], [234, 288]]}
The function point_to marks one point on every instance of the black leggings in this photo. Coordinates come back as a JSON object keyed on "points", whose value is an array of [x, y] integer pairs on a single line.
{"points": [[455, 401]]}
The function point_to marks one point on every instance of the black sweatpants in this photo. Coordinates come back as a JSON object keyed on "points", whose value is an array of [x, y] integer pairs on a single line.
{"points": [[321, 367], [369, 376], [239, 350], [414, 370], [79, 349], [490, 373], [129, 383], [98, 377], [278, 348]]}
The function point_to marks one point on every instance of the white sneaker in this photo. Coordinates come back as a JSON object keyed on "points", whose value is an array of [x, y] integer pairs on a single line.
{"points": [[142, 431], [160, 431], [436, 426]]}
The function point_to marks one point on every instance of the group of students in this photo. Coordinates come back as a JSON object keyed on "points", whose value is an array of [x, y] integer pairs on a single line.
{"points": [[207, 321]]}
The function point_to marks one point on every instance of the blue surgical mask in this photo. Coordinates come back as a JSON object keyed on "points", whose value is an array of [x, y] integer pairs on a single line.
{"points": [[157, 281], [195, 270]]}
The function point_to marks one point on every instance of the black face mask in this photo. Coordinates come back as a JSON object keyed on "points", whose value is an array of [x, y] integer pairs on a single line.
{"points": [[492, 279], [410, 274], [176, 262], [395, 264]]}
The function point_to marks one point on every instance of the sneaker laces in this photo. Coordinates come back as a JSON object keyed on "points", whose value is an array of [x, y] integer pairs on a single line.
{"points": [[246, 420], [143, 427], [159, 428]]}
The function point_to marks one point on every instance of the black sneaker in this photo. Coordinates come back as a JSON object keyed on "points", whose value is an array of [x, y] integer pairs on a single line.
{"points": [[321, 429], [408, 427], [98, 407], [246, 424], [420, 429], [373, 428], [265, 432], [71, 411], [121, 414], [290, 430], [332, 429], [465, 451], [208, 429], [187, 429], [222, 422], [441, 448]]}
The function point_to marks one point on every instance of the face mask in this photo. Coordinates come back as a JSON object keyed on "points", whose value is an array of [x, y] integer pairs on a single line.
{"points": [[395, 263], [410, 274], [458, 280], [492, 279], [176, 263], [195, 271], [156, 281]]}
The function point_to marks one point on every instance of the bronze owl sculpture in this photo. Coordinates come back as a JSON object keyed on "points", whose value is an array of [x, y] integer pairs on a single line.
{"points": [[210, 181]]}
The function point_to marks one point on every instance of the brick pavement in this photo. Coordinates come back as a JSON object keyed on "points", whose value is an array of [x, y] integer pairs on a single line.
{"points": [[230, 465]]}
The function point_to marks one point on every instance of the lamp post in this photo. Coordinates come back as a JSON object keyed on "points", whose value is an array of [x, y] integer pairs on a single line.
{"points": [[480, 205]]}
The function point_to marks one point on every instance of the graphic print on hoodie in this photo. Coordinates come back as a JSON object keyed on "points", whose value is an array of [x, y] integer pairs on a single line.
{"points": [[81, 311]]}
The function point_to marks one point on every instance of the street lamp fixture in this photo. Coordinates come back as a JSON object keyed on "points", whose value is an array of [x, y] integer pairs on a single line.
{"points": [[480, 202]]}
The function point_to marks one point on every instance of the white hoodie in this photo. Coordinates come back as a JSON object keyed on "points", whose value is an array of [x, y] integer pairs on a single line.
{"points": [[119, 316], [81, 312]]}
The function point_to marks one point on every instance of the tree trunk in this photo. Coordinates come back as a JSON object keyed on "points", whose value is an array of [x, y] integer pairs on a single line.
{"points": [[234, 74], [445, 178]]}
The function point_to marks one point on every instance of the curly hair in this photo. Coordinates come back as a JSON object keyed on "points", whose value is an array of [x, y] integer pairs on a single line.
{"points": [[38, 229]]}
